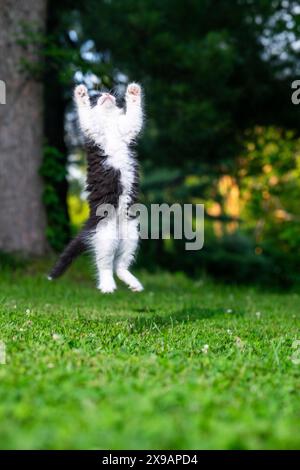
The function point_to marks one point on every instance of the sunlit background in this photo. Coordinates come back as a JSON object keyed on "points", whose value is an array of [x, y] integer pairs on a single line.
{"points": [[221, 128]]}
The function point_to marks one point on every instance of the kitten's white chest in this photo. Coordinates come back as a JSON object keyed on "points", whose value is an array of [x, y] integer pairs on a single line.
{"points": [[119, 157], [121, 160]]}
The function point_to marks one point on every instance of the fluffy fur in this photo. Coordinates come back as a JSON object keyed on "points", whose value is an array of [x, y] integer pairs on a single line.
{"points": [[112, 178]]}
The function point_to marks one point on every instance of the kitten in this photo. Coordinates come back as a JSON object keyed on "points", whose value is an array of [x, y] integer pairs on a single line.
{"points": [[112, 178]]}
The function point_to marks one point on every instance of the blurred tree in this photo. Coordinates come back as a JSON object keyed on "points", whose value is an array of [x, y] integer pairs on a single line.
{"points": [[270, 191], [63, 50], [22, 217], [211, 69], [55, 153]]}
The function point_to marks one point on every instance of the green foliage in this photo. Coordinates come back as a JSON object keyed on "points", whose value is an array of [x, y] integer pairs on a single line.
{"points": [[60, 57], [203, 71], [53, 172], [11, 261], [270, 183], [210, 74], [132, 371]]}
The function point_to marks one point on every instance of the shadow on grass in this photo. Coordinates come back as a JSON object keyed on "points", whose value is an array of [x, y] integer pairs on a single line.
{"points": [[149, 319], [185, 315]]}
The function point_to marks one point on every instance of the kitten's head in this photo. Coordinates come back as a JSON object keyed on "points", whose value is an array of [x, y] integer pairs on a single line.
{"points": [[105, 103]]}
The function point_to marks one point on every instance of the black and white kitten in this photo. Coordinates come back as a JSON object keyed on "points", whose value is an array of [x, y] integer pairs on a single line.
{"points": [[112, 178]]}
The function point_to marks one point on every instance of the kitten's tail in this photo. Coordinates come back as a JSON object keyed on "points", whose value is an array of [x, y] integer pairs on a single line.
{"points": [[77, 246]]}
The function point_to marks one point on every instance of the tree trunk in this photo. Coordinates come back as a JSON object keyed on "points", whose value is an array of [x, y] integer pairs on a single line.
{"points": [[22, 215]]}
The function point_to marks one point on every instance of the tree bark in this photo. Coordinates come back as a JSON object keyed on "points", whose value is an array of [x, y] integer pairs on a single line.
{"points": [[22, 215]]}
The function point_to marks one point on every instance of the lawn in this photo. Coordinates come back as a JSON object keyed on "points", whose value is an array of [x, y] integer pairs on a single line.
{"points": [[185, 364]]}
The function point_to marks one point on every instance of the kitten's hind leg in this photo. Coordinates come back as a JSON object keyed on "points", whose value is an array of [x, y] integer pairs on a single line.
{"points": [[129, 279], [105, 245], [127, 247]]}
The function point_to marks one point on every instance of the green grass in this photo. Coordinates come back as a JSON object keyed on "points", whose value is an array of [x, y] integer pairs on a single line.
{"points": [[132, 371]]}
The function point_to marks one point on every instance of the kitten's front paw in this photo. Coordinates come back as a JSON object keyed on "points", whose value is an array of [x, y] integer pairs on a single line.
{"points": [[134, 92], [81, 94]]}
